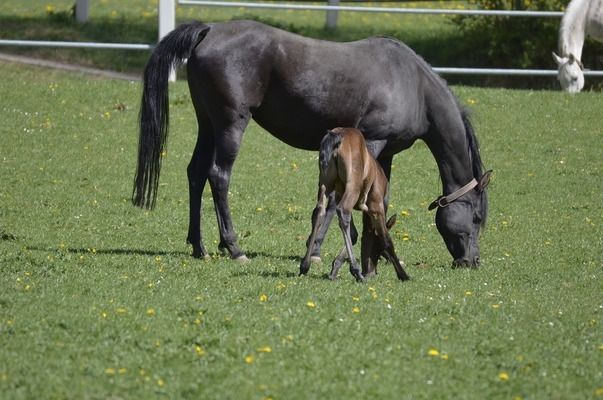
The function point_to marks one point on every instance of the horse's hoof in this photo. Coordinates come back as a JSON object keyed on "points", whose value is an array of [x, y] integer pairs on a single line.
{"points": [[332, 277], [242, 259], [316, 259], [200, 255]]}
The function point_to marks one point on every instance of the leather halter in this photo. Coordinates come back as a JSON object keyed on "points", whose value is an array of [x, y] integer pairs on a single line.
{"points": [[444, 201]]}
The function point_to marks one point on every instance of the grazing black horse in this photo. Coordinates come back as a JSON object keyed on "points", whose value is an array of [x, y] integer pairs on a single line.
{"points": [[296, 88]]}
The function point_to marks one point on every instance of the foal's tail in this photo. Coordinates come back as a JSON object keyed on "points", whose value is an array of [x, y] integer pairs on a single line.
{"points": [[330, 142], [169, 53]]}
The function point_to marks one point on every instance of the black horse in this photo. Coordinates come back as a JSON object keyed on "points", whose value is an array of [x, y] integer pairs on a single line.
{"points": [[296, 88]]}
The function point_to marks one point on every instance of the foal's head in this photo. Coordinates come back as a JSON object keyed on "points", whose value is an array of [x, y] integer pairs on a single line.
{"points": [[570, 74]]}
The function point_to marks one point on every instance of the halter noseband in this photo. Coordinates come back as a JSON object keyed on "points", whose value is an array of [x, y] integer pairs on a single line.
{"points": [[444, 201]]}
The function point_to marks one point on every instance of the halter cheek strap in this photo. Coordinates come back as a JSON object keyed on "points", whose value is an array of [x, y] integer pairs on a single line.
{"points": [[444, 201]]}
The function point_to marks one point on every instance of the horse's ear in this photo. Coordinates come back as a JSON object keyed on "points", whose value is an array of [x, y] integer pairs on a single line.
{"points": [[572, 59], [391, 222], [484, 180], [557, 59]]}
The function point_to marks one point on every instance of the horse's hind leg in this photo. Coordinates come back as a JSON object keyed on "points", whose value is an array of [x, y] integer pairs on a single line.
{"points": [[197, 172], [227, 143]]}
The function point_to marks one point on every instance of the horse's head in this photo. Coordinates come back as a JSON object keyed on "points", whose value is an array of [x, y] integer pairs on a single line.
{"points": [[459, 218], [570, 74]]}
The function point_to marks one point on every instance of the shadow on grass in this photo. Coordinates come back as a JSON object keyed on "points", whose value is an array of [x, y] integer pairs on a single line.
{"points": [[92, 250]]}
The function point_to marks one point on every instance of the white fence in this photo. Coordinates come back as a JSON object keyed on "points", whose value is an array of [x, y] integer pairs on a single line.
{"points": [[167, 22]]}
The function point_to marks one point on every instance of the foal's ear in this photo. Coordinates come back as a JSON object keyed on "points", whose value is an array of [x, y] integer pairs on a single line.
{"points": [[557, 59], [484, 180], [391, 222]]}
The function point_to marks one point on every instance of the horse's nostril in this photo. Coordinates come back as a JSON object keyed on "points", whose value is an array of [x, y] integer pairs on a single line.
{"points": [[476, 261]]}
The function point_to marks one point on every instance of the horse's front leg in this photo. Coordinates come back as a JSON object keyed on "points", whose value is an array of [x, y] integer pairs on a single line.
{"points": [[227, 142], [318, 218]]}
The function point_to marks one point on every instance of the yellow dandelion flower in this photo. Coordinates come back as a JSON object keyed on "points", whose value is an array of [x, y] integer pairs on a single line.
{"points": [[503, 376], [121, 311], [405, 237], [311, 304], [601, 347], [495, 306], [405, 213], [263, 297], [264, 349], [150, 312], [110, 371], [50, 9], [122, 371], [599, 392], [355, 310], [249, 359], [199, 351], [160, 382], [444, 356], [468, 293], [355, 298], [433, 352]]}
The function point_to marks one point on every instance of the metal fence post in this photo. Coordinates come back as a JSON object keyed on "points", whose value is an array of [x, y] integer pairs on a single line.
{"points": [[81, 10], [167, 23], [332, 15]]}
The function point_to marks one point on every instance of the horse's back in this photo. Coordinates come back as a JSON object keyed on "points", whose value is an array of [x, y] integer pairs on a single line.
{"points": [[297, 87]]}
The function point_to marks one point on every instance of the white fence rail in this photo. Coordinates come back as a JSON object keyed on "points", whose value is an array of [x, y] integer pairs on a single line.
{"points": [[167, 22], [391, 10]]}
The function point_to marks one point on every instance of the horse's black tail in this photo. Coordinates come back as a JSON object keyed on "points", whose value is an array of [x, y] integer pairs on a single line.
{"points": [[170, 52], [330, 142]]}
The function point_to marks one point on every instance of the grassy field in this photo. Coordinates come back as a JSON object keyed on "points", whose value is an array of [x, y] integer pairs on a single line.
{"points": [[99, 299]]}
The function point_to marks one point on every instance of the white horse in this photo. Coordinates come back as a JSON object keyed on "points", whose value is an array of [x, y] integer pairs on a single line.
{"points": [[582, 18]]}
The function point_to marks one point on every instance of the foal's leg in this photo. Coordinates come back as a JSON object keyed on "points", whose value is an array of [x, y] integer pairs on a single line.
{"points": [[318, 216], [228, 141], [338, 262], [322, 232], [388, 248], [345, 215]]}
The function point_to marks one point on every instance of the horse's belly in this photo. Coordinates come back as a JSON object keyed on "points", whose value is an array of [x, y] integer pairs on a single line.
{"points": [[298, 123]]}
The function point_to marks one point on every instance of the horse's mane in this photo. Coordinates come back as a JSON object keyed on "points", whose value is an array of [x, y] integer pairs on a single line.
{"points": [[475, 157], [574, 16]]}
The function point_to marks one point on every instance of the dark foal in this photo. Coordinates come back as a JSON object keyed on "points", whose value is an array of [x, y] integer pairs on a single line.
{"points": [[348, 169]]}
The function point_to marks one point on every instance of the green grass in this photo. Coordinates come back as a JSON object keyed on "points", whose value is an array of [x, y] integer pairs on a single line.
{"points": [[99, 299]]}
